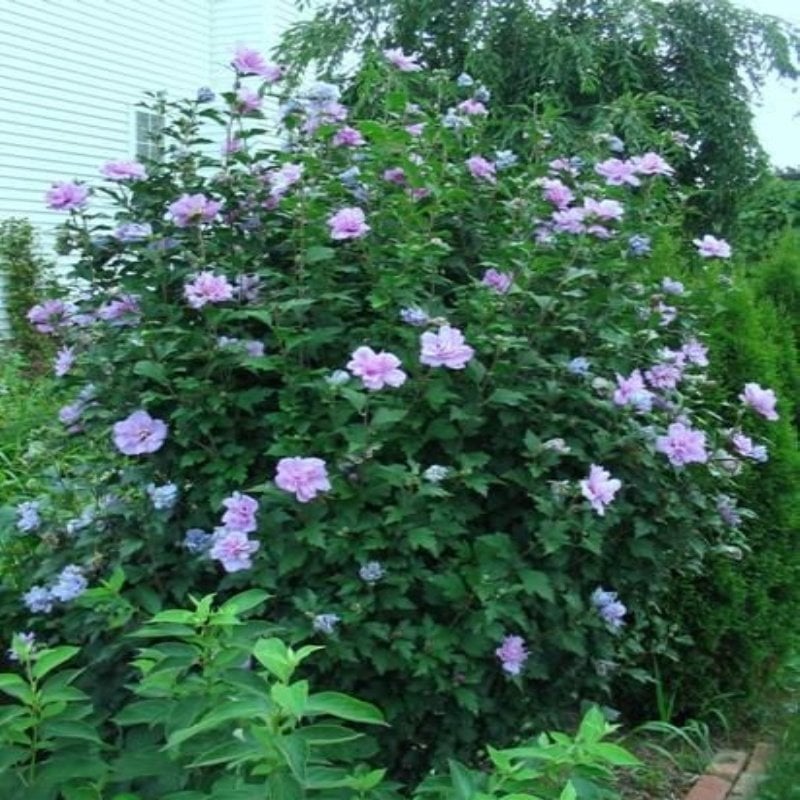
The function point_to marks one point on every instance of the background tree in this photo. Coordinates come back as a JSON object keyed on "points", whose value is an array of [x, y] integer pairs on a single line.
{"points": [[641, 69]]}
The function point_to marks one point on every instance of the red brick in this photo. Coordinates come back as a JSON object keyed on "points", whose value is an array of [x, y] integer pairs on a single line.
{"points": [[709, 787], [728, 764]]}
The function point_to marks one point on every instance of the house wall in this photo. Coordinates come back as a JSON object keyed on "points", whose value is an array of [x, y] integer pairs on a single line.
{"points": [[72, 71]]}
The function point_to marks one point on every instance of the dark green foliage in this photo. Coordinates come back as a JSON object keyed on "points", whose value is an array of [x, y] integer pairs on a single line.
{"points": [[641, 69], [23, 272], [743, 614]]}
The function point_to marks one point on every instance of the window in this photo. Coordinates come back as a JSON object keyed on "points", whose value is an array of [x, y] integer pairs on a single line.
{"points": [[147, 134]]}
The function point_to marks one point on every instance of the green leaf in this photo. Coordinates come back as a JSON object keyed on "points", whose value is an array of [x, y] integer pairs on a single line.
{"points": [[152, 370], [327, 734], [367, 781], [615, 755], [465, 785], [569, 793], [388, 416], [70, 729], [274, 655], [593, 726], [318, 253], [16, 687], [173, 615], [48, 660], [228, 712], [344, 707], [291, 699], [143, 712], [507, 397], [244, 601]]}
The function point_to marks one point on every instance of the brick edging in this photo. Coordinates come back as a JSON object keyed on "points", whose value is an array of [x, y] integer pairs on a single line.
{"points": [[733, 775]]}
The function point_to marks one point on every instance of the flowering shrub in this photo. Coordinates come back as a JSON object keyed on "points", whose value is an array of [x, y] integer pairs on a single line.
{"points": [[217, 713], [430, 413]]}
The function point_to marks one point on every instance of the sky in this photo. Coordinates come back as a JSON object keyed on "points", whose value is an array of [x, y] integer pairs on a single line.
{"points": [[776, 122]]}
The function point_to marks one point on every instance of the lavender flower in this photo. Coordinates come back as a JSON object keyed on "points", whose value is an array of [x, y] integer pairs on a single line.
{"points": [[414, 315], [504, 159], [69, 584], [326, 623], [337, 378], [512, 654], [196, 540], [28, 518], [580, 365], [65, 358], [205, 95], [38, 600], [435, 473], [371, 572], [162, 497], [726, 508], [611, 610], [639, 245]]}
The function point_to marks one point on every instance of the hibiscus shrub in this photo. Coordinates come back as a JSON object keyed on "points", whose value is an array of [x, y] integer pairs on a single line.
{"points": [[423, 392]]}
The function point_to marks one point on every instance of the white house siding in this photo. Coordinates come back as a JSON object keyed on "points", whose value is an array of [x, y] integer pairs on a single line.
{"points": [[72, 71]]}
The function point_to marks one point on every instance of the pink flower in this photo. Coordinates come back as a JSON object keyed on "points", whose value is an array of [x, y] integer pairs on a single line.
{"points": [[651, 164], [617, 172], [122, 311], [603, 209], [499, 281], [397, 58], [49, 316], [348, 137], [207, 288], [711, 247], [139, 434], [348, 223], [631, 391], [241, 513], [251, 62], [481, 169], [556, 192], [473, 108], [66, 196], [233, 549], [664, 376], [570, 220], [599, 488], [376, 370], [564, 165], [695, 353], [745, 447], [191, 208], [762, 401], [395, 175], [682, 445], [599, 231], [281, 180], [306, 477], [232, 144], [65, 358], [416, 129], [445, 348], [248, 100], [512, 654], [123, 171]]}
